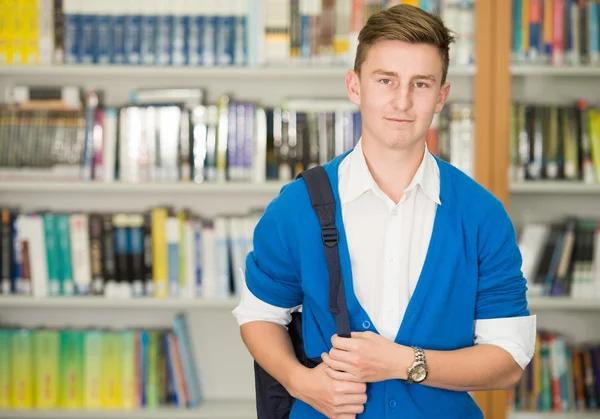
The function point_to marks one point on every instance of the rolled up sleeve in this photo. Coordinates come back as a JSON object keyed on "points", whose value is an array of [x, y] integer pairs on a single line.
{"points": [[516, 335]]}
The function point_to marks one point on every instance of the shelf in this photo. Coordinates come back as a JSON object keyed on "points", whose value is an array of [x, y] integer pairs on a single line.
{"points": [[554, 187], [266, 73], [563, 303], [543, 70], [552, 415], [116, 303], [210, 410], [122, 187]]}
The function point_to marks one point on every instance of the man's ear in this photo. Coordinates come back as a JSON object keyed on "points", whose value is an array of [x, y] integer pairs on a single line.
{"points": [[353, 86], [443, 95]]}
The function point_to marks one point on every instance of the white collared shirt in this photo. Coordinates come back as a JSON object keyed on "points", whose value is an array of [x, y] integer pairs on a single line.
{"points": [[392, 246]]}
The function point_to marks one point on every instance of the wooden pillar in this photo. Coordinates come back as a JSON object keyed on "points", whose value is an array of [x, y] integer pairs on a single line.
{"points": [[492, 124]]}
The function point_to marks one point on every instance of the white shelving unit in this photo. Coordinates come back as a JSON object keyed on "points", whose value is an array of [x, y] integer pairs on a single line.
{"points": [[548, 201], [233, 409], [554, 188], [270, 188], [549, 415], [566, 71], [65, 303]]}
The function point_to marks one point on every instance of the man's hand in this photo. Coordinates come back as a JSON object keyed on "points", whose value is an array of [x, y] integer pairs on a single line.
{"points": [[366, 358], [333, 398]]}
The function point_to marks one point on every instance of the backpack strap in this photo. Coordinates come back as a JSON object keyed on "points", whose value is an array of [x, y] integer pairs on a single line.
{"points": [[323, 202]]}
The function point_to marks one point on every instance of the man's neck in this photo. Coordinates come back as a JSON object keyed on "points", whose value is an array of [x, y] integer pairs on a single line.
{"points": [[393, 170]]}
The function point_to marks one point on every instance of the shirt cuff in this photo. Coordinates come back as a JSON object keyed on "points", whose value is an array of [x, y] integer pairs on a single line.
{"points": [[516, 335]]}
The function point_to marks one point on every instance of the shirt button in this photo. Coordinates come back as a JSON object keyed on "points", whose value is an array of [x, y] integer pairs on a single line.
{"points": [[393, 403], [366, 324], [395, 212]]}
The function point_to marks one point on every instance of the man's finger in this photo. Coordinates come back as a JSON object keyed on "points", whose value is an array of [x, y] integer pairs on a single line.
{"points": [[341, 355], [336, 365], [341, 376], [345, 344]]}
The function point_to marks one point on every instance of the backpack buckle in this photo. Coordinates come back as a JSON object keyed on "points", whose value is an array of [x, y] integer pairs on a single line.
{"points": [[330, 236]]}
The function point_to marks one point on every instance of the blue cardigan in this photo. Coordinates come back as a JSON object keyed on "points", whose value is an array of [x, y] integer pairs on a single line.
{"points": [[472, 271]]}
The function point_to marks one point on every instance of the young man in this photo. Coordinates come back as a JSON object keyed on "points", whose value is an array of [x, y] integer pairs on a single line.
{"points": [[428, 257]]}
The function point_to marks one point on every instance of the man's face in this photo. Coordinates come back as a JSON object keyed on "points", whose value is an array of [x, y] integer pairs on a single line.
{"points": [[398, 92]]}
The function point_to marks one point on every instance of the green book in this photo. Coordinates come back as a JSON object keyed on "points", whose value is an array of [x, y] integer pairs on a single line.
{"points": [[52, 254], [21, 372], [5, 373], [46, 365], [71, 383], [92, 370]]}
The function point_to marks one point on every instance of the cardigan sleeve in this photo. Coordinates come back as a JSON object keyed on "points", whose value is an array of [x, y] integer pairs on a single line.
{"points": [[270, 273], [501, 288]]}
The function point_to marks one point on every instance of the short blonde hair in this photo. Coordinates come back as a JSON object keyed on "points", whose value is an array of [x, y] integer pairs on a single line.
{"points": [[405, 23]]}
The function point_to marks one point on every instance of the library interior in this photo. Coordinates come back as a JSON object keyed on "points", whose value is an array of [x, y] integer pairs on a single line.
{"points": [[120, 269]]}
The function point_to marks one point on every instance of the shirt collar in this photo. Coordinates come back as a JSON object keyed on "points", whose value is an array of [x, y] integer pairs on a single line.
{"points": [[360, 179]]}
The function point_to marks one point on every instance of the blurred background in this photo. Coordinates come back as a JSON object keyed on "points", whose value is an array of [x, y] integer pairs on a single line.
{"points": [[141, 140]]}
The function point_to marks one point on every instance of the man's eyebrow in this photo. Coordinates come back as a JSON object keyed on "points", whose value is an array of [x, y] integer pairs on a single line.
{"points": [[424, 76], [394, 74], [385, 73]]}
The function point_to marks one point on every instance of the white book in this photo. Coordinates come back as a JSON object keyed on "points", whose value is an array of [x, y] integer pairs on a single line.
{"points": [[222, 257], [31, 230], [173, 236], [236, 232], [109, 141], [188, 286], [80, 253], [532, 243], [209, 266]]}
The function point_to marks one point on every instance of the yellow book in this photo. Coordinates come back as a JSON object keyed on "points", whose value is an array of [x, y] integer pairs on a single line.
{"points": [[159, 251], [594, 134], [47, 361], [111, 368], [8, 26], [525, 26], [19, 33], [30, 50], [416, 3], [92, 370], [129, 377], [182, 252], [537, 372], [4, 33], [5, 368], [22, 369]]}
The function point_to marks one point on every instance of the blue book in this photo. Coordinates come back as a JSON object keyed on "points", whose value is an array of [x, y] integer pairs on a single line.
{"points": [[72, 22]]}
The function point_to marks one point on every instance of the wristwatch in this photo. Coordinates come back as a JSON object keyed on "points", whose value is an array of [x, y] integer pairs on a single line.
{"points": [[417, 372]]}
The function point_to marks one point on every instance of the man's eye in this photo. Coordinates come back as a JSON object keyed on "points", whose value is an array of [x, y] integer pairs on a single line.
{"points": [[421, 85], [385, 81]]}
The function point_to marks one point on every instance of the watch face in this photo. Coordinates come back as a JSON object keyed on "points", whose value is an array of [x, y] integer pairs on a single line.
{"points": [[419, 373]]}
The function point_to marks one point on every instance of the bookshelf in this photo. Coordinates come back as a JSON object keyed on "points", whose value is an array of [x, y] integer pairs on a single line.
{"points": [[269, 84], [537, 82]]}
